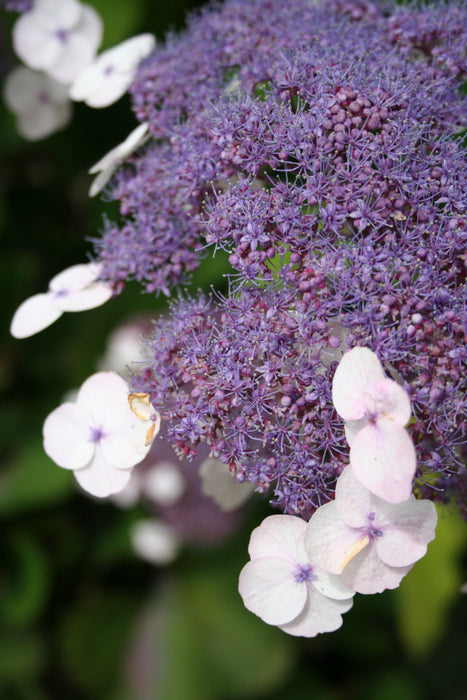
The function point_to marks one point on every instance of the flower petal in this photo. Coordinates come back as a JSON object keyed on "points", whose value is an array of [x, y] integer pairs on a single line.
{"points": [[75, 278], [329, 542], [100, 478], [356, 374], [93, 296], [219, 484], [353, 500], [320, 614], [269, 590], [331, 586], [407, 529], [279, 536], [383, 459], [33, 315], [66, 435], [154, 541], [81, 46], [393, 401], [366, 573], [104, 396]]}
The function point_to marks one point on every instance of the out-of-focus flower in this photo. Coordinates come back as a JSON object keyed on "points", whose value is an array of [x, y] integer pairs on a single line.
{"points": [[284, 587], [375, 410], [154, 541], [110, 162], [370, 542], [41, 105], [74, 289], [219, 484], [112, 72], [125, 348], [59, 37], [98, 437]]}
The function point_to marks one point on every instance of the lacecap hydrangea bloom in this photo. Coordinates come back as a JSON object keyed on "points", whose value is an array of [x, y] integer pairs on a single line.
{"points": [[331, 175]]}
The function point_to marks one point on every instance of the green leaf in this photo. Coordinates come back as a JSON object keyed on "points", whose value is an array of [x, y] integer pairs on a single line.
{"points": [[213, 648], [33, 480], [121, 19], [426, 593]]}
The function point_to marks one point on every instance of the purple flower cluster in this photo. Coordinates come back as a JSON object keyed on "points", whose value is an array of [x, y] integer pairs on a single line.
{"points": [[17, 5], [322, 151]]}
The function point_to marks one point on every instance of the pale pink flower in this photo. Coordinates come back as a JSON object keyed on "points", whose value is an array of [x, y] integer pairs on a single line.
{"points": [[74, 289], [59, 37], [284, 587], [375, 410], [100, 437], [372, 544]]}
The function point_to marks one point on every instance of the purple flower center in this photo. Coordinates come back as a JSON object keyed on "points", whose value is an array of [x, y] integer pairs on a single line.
{"points": [[43, 97], [62, 35], [304, 574], [60, 293], [108, 70], [96, 435], [373, 531]]}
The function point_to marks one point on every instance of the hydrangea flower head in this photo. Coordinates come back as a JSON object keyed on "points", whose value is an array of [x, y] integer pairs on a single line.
{"points": [[59, 37], [99, 437], [40, 104], [370, 542], [75, 289], [284, 587], [375, 410]]}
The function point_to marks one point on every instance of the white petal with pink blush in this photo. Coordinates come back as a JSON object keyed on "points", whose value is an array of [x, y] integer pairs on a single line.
{"points": [[284, 587], [97, 436], [375, 410], [372, 544], [75, 289]]}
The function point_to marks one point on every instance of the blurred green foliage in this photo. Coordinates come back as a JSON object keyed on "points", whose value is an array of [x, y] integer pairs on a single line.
{"points": [[80, 616]]}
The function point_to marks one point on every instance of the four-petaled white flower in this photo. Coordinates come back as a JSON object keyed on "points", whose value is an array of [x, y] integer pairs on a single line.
{"points": [[112, 72], [99, 437], [40, 104], [284, 587], [110, 162], [375, 410], [372, 544], [60, 37], [74, 289], [219, 484]]}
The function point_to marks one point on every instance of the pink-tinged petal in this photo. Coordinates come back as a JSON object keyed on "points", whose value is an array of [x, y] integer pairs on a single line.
{"points": [[91, 297], [366, 573], [100, 478], [75, 278], [66, 435], [279, 536], [407, 529], [329, 543], [353, 500], [320, 614], [33, 315], [356, 374], [104, 396], [383, 459], [269, 590], [393, 401], [352, 428], [331, 586], [121, 450]]}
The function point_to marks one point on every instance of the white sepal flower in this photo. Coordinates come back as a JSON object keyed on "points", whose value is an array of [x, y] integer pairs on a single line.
{"points": [[375, 410], [219, 484], [97, 436], [154, 541], [112, 72], [283, 587], [370, 542], [74, 289], [59, 37], [40, 104], [107, 165]]}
